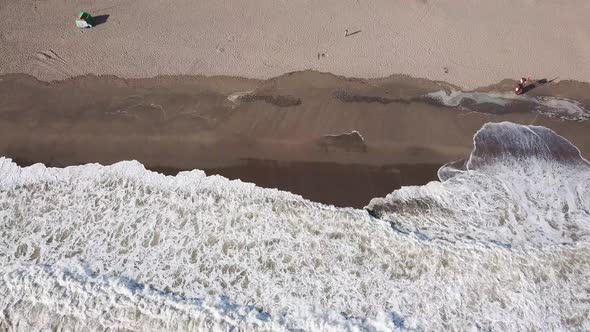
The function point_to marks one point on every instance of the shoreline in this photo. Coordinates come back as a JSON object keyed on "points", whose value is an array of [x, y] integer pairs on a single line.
{"points": [[341, 185], [295, 126]]}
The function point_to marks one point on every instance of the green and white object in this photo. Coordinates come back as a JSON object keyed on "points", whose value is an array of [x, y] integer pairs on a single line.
{"points": [[84, 20]]}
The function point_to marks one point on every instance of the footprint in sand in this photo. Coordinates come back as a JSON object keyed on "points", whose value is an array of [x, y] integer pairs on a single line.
{"points": [[52, 61], [47, 55]]}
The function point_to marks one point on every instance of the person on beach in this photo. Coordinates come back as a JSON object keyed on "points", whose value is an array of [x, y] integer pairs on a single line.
{"points": [[521, 85]]}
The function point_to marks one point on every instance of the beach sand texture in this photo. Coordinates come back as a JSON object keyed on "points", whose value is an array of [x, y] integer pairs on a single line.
{"points": [[331, 139], [466, 43]]}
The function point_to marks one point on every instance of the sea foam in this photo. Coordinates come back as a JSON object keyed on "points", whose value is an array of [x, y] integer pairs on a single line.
{"points": [[508, 102], [501, 244]]}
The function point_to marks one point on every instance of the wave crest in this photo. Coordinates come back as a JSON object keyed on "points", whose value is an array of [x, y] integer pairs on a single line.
{"points": [[520, 186]]}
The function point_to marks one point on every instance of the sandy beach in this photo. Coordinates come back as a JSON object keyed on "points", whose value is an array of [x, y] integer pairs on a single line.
{"points": [[304, 165], [262, 91], [466, 43]]}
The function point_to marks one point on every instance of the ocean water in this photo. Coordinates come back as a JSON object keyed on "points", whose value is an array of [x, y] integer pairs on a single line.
{"points": [[500, 243], [508, 102]]}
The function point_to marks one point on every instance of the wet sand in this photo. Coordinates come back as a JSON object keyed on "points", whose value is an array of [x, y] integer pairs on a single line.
{"points": [[331, 139]]}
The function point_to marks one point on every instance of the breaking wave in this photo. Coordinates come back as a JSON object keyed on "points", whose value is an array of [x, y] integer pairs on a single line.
{"points": [[500, 243], [521, 186]]}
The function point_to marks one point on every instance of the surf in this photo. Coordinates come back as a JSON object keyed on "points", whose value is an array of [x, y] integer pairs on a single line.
{"points": [[500, 242]]}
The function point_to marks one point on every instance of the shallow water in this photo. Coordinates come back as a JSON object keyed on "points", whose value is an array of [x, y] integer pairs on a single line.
{"points": [[508, 102]]}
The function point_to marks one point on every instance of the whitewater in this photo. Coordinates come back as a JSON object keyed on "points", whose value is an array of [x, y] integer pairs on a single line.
{"points": [[501, 242]]}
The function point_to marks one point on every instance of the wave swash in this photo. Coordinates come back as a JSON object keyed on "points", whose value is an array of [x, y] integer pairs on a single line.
{"points": [[500, 243]]}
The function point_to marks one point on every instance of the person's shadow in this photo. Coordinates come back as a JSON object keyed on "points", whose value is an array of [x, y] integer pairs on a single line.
{"points": [[100, 19], [536, 84]]}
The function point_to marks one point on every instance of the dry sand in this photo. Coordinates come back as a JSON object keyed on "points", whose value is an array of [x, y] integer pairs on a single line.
{"points": [[467, 43]]}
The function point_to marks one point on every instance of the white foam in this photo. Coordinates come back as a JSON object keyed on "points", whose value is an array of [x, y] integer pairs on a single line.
{"points": [[521, 186], [38, 297], [564, 108], [454, 98], [352, 134], [235, 97], [301, 263]]}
